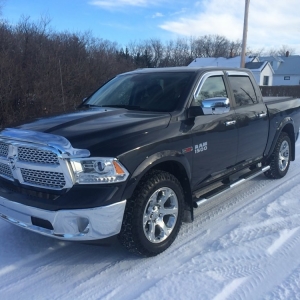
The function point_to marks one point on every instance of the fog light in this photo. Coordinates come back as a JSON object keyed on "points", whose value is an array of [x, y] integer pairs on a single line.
{"points": [[83, 225]]}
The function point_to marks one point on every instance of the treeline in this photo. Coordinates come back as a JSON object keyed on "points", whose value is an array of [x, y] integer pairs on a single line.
{"points": [[44, 72]]}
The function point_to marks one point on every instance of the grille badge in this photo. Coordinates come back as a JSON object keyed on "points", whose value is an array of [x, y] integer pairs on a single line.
{"points": [[12, 161]]}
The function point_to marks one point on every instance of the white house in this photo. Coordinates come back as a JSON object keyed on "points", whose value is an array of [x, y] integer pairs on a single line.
{"points": [[262, 71], [286, 69]]}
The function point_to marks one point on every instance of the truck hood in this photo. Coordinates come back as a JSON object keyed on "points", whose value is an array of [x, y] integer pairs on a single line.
{"points": [[89, 128]]}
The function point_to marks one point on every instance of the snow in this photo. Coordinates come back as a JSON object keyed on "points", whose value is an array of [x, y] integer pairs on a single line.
{"points": [[284, 235], [233, 62], [243, 245]]}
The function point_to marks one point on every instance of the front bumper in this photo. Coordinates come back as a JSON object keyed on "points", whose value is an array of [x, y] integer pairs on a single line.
{"points": [[70, 224]]}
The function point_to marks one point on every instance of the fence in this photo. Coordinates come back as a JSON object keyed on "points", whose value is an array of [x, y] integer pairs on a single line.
{"points": [[282, 90]]}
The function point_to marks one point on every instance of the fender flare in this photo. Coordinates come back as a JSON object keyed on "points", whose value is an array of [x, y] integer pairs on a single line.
{"points": [[286, 121], [152, 161]]}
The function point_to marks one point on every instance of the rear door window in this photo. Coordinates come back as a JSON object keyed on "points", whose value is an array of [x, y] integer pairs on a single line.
{"points": [[243, 90]]}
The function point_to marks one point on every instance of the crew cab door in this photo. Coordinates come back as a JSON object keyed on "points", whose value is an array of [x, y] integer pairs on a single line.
{"points": [[251, 117], [214, 133]]}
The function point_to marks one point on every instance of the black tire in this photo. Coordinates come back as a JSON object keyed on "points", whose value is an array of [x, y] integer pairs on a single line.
{"points": [[280, 158], [157, 204]]}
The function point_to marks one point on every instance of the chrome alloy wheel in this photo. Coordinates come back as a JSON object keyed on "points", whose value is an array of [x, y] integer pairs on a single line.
{"points": [[284, 155], [160, 215]]}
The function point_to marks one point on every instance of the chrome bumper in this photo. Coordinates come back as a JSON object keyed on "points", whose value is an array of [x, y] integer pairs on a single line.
{"points": [[73, 225]]}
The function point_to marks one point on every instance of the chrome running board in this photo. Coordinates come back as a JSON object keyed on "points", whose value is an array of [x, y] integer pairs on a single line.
{"points": [[226, 187]]}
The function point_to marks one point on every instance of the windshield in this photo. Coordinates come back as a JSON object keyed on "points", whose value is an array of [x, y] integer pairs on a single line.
{"points": [[150, 92]]}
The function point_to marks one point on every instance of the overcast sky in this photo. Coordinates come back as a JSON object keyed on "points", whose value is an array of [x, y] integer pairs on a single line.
{"points": [[271, 23]]}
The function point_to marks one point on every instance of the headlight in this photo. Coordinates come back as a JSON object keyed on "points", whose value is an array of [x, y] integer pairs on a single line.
{"points": [[97, 170]]}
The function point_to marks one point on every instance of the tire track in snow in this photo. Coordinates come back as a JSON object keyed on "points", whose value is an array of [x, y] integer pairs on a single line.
{"points": [[261, 230], [45, 267], [288, 289], [273, 271]]}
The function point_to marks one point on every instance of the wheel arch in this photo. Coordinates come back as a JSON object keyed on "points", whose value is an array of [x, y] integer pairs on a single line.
{"points": [[289, 129], [172, 162], [287, 126]]}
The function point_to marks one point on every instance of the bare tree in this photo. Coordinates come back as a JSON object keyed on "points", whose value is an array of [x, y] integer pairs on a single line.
{"points": [[282, 51], [286, 50], [214, 46], [235, 48], [158, 52], [43, 72], [255, 52]]}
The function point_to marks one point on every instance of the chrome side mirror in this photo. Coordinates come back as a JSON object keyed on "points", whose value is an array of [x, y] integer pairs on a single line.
{"points": [[215, 106]]}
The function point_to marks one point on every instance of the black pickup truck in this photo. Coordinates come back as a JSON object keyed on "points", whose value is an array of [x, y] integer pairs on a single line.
{"points": [[141, 153]]}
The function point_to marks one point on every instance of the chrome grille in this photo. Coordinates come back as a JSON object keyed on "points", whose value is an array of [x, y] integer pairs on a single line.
{"points": [[26, 157], [3, 149], [5, 170], [33, 155], [54, 180]]}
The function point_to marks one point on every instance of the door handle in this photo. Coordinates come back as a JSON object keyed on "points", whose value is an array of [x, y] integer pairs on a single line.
{"points": [[228, 123], [262, 114]]}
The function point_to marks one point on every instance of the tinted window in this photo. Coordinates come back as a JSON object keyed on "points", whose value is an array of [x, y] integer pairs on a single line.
{"points": [[213, 87], [153, 91], [243, 90]]}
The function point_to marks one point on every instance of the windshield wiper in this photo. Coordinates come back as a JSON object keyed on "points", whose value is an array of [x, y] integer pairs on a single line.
{"points": [[248, 95], [90, 105], [130, 107]]}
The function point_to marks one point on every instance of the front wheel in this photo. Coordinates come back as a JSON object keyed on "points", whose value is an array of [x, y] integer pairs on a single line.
{"points": [[280, 158], [153, 215]]}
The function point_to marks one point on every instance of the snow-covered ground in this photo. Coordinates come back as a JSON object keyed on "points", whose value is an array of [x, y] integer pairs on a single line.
{"points": [[244, 245]]}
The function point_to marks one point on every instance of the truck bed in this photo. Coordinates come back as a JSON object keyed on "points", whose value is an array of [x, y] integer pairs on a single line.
{"points": [[272, 99]]}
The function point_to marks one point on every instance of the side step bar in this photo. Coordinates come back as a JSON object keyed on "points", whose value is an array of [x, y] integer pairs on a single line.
{"points": [[225, 187]]}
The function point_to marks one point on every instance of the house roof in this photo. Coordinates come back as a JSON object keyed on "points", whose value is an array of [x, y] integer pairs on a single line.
{"points": [[258, 66], [287, 65], [271, 58], [233, 62], [254, 65]]}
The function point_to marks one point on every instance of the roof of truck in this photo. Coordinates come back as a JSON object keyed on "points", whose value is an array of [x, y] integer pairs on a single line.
{"points": [[186, 69]]}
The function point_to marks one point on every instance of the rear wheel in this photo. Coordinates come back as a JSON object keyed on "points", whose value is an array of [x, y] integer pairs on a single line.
{"points": [[280, 158], [153, 215]]}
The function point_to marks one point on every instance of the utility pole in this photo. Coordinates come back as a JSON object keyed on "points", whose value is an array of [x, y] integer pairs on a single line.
{"points": [[247, 2]]}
